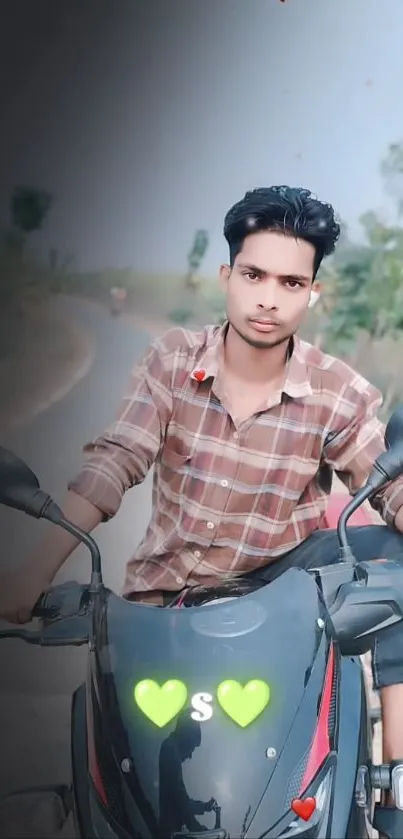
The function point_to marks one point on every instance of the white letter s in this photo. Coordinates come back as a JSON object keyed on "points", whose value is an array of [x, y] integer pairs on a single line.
{"points": [[203, 710]]}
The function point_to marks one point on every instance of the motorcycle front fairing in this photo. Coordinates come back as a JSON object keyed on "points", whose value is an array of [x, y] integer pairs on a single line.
{"points": [[174, 770]]}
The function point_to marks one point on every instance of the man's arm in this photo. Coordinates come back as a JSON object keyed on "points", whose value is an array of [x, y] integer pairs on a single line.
{"points": [[351, 452], [117, 460]]}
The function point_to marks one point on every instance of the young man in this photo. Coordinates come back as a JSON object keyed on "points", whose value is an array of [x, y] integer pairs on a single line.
{"points": [[245, 424]]}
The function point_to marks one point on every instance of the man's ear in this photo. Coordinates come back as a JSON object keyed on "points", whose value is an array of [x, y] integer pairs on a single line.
{"points": [[315, 295], [225, 273]]}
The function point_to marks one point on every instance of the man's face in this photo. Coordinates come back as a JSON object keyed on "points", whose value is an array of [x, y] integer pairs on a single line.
{"points": [[268, 288]]}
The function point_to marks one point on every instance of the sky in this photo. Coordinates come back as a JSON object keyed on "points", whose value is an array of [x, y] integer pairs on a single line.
{"points": [[149, 119]]}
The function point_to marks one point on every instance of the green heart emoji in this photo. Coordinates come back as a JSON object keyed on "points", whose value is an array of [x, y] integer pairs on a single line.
{"points": [[243, 704], [160, 704]]}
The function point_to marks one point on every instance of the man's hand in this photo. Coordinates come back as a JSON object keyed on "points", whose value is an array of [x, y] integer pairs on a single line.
{"points": [[20, 589], [19, 592]]}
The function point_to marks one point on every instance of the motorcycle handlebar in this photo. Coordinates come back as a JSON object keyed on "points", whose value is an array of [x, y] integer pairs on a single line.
{"points": [[64, 615]]}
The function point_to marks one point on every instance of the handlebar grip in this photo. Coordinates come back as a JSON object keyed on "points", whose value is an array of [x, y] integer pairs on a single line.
{"points": [[20, 631]]}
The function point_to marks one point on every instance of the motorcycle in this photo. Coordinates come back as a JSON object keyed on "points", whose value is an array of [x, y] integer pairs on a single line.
{"points": [[117, 301], [233, 713]]}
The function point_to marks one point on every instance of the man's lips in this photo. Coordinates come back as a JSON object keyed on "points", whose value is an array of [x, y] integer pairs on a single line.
{"points": [[264, 325]]}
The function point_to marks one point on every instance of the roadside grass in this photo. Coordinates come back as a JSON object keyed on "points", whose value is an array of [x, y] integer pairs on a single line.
{"points": [[152, 295]]}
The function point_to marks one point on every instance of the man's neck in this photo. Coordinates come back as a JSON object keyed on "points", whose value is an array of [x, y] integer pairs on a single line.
{"points": [[254, 365]]}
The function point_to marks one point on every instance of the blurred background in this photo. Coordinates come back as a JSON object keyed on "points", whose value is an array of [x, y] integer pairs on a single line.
{"points": [[128, 130]]}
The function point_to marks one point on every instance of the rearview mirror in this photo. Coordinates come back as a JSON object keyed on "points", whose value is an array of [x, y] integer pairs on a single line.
{"points": [[20, 488], [14, 472], [389, 464]]}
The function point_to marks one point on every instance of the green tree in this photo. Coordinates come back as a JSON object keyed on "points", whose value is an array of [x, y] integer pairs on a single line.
{"points": [[360, 314], [366, 307], [29, 208], [195, 257], [21, 277], [392, 173], [368, 290]]}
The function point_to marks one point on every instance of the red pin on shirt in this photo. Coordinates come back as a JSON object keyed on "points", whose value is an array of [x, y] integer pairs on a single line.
{"points": [[199, 375]]}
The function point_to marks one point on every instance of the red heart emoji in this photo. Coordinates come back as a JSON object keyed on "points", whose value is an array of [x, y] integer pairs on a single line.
{"points": [[199, 375], [303, 807]]}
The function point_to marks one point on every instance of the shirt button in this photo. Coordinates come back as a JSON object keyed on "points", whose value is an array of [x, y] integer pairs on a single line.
{"points": [[179, 581], [210, 525], [224, 483], [197, 554], [236, 435]]}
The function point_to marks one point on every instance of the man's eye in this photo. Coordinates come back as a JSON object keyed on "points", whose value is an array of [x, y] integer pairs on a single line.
{"points": [[252, 276], [293, 283]]}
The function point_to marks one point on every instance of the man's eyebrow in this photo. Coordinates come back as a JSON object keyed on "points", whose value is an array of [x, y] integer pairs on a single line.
{"points": [[256, 270], [260, 272]]}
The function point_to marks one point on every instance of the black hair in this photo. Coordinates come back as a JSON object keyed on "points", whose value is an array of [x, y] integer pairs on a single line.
{"points": [[293, 211]]}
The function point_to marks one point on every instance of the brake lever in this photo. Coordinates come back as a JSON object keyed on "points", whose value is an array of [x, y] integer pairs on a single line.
{"points": [[31, 636], [28, 635]]}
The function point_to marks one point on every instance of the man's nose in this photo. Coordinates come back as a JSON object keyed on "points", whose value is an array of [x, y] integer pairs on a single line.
{"points": [[268, 297]]}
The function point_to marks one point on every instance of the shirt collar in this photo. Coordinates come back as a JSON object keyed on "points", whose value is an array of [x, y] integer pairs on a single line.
{"points": [[297, 383], [209, 361]]}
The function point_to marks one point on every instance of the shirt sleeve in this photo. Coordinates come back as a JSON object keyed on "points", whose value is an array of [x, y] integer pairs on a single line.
{"points": [[351, 452], [122, 455]]}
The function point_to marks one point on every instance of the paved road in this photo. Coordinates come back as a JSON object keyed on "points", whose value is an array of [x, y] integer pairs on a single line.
{"points": [[36, 684]]}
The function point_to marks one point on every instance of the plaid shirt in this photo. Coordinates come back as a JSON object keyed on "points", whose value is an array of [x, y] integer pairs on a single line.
{"points": [[228, 497]]}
